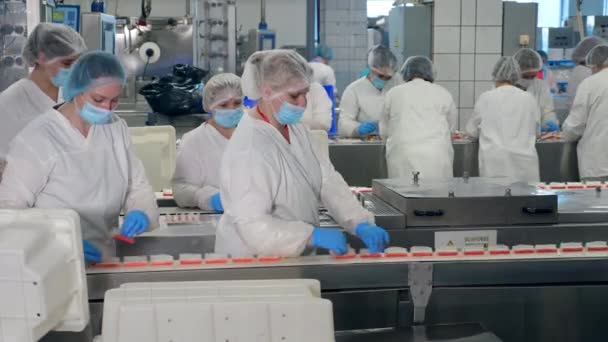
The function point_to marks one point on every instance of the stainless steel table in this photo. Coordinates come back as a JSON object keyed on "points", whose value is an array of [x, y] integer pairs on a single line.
{"points": [[360, 162]]}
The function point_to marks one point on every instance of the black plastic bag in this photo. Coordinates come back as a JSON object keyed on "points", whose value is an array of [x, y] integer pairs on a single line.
{"points": [[177, 94]]}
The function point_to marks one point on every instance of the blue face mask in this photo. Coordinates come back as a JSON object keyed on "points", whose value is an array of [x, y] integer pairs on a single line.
{"points": [[378, 83], [289, 114], [228, 118], [95, 115], [61, 78]]}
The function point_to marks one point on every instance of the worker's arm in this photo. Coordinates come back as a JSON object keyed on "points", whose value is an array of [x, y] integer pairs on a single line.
{"points": [[318, 109], [472, 126], [189, 189], [140, 195], [337, 197], [546, 104], [576, 122], [26, 173], [349, 111], [536, 113], [386, 116], [249, 185], [452, 115]]}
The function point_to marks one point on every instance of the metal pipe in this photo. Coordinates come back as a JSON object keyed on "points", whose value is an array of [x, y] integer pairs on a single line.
{"points": [[263, 11], [188, 9]]}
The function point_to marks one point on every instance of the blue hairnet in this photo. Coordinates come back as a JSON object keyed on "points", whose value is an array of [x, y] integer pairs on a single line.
{"points": [[506, 70], [92, 70], [325, 52], [418, 66], [542, 54]]}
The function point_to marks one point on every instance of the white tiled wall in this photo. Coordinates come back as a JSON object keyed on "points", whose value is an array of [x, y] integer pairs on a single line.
{"points": [[344, 28], [467, 42]]}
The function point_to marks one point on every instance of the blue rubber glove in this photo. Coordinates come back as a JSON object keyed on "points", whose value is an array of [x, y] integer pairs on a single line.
{"points": [[550, 126], [216, 203], [136, 222], [367, 128], [332, 239], [91, 253], [375, 238]]}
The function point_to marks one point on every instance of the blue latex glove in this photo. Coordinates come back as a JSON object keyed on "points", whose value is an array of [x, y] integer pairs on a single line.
{"points": [[367, 128], [91, 253], [374, 237], [136, 222], [216, 203], [550, 126], [332, 239]]}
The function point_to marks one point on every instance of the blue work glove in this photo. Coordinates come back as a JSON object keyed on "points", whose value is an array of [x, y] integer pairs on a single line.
{"points": [[550, 126], [367, 128], [91, 253], [374, 237], [136, 222], [332, 239], [216, 203]]}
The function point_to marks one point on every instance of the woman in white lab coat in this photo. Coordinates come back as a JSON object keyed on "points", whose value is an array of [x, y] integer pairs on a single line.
{"points": [[196, 181], [321, 71], [273, 180], [588, 119], [418, 119], [79, 156], [506, 120], [362, 101], [582, 70], [50, 50], [317, 115], [530, 64]]}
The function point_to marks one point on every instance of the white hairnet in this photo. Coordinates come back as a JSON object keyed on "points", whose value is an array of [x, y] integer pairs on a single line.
{"points": [[220, 88], [529, 60], [49, 42], [598, 56], [584, 46], [281, 70], [506, 70], [418, 66], [380, 58]]}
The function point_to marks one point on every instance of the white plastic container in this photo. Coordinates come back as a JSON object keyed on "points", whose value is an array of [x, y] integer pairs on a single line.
{"points": [[42, 277], [156, 148], [244, 313]]}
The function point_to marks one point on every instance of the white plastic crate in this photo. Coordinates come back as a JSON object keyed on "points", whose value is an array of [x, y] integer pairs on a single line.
{"points": [[156, 148], [42, 277], [264, 311]]}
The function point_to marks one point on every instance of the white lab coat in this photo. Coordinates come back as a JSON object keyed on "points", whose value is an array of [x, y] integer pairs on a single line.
{"points": [[360, 102], [317, 115], [52, 165], [507, 122], [541, 92], [588, 120], [579, 73], [323, 73], [272, 190], [419, 117], [22, 102], [197, 169]]}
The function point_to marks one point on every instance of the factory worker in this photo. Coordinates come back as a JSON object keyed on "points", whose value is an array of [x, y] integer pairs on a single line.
{"points": [[196, 182], [530, 63], [321, 71], [362, 101], [588, 119], [418, 119], [50, 50], [79, 156], [507, 122], [582, 70], [545, 73], [273, 180], [317, 115]]}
